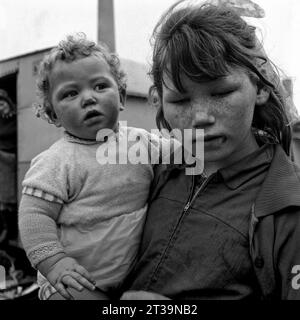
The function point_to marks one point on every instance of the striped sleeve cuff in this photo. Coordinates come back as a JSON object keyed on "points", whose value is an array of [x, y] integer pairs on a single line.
{"points": [[43, 252], [41, 194]]}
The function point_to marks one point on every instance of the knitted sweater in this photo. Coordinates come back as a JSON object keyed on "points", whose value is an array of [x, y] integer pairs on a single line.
{"points": [[102, 206]]}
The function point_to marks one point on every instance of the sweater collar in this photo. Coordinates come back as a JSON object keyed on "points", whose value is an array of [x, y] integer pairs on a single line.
{"points": [[70, 138], [73, 139]]}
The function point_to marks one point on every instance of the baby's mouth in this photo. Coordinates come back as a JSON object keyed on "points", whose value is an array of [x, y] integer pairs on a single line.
{"points": [[91, 114]]}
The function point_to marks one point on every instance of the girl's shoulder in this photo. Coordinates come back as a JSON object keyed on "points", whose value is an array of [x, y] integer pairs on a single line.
{"points": [[281, 187], [284, 163]]}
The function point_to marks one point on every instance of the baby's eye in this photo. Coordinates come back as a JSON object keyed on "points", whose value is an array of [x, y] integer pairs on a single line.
{"points": [[69, 94], [100, 86]]}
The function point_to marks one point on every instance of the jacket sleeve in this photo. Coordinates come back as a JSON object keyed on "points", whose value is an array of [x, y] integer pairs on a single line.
{"points": [[287, 253]]}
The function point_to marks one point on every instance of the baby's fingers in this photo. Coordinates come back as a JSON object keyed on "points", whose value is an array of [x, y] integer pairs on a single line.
{"points": [[71, 281], [83, 281], [62, 291], [84, 273]]}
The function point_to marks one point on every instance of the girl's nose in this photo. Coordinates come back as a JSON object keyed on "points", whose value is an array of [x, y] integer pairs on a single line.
{"points": [[202, 119]]}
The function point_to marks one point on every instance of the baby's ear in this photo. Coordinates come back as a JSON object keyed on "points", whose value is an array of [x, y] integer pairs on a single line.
{"points": [[263, 94], [53, 118], [122, 93]]}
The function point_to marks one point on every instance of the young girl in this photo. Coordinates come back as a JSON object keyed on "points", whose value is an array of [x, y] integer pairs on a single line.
{"points": [[80, 221], [233, 232]]}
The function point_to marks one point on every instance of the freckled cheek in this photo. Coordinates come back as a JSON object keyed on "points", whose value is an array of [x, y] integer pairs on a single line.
{"points": [[237, 113], [180, 118], [244, 113]]}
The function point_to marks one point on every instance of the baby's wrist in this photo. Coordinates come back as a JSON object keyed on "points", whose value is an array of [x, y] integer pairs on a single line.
{"points": [[46, 265]]}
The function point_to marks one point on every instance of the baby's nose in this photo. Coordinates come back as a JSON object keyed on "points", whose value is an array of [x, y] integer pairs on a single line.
{"points": [[87, 101]]}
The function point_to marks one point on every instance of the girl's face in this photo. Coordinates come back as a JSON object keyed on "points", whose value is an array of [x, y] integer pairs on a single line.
{"points": [[223, 108], [85, 96]]}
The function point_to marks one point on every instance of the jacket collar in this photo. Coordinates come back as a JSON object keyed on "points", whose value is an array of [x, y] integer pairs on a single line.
{"points": [[281, 188], [253, 164], [245, 169], [238, 173]]}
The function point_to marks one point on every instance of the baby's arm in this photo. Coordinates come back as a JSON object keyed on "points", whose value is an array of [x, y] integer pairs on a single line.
{"points": [[38, 231]]}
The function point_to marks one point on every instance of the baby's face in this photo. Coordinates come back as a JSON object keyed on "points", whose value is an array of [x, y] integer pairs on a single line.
{"points": [[85, 96]]}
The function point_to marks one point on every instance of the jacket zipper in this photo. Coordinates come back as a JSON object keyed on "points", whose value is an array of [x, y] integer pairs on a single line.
{"points": [[191, 199], [186, 207]]}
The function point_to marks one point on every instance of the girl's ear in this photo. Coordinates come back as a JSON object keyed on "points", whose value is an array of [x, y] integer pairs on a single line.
{"points": [[263, 94]]}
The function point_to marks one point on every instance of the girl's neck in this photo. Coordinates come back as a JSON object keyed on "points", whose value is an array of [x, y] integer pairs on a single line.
{"points": [[247, 148]]}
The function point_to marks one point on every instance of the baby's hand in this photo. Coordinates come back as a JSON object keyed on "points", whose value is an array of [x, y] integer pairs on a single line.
{"points": [[68, 273]]}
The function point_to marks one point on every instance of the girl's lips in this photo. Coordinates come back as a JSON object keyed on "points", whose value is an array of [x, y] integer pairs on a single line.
{"points": [[208, 137], [213, 141]]}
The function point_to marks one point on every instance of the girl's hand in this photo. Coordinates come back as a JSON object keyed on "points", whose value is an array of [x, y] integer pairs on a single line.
{"points": [[68, 273]]}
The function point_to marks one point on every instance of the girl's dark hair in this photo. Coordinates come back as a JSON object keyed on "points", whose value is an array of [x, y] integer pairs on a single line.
{"points": [[203, 42]]}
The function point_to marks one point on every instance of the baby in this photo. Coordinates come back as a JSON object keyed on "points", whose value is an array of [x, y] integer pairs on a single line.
{"points": [[80, 221]]}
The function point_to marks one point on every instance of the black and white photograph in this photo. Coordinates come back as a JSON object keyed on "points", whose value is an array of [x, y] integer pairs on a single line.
{"points": [[149, 154]]}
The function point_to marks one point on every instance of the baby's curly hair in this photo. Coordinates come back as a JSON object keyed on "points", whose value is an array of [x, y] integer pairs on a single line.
{"points": [[73, 48]]}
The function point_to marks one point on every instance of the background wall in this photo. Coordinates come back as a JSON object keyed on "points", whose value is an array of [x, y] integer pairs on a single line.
{"points": [[33, 24]]}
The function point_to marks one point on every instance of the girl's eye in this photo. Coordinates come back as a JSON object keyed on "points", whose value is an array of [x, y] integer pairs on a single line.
{"points": [[100, 86], [223, 93]]}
